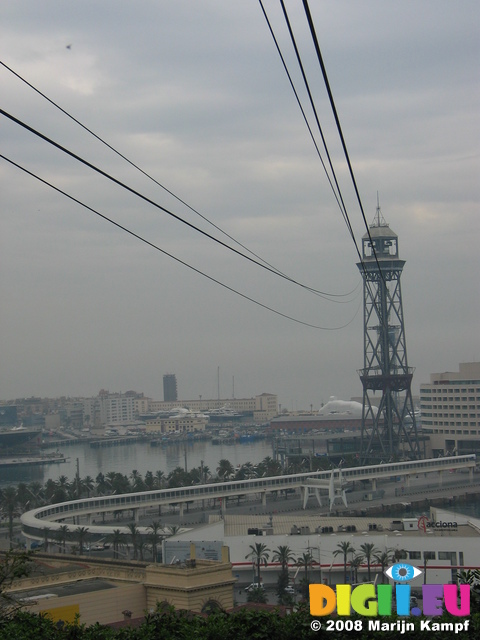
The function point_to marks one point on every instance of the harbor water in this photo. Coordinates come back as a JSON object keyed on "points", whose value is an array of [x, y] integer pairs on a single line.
{"points": [[140, 456]]}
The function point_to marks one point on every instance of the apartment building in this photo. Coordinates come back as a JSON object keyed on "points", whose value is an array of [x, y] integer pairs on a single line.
{"points": [[450, 407]]}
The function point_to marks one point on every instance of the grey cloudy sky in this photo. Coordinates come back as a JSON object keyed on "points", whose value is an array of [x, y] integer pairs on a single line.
{"points": [[195, 93]]}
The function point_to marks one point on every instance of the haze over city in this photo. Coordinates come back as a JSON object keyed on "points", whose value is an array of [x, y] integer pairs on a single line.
{"points": [[196, 95]]}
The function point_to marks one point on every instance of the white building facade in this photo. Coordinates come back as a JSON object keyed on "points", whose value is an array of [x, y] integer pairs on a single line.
{"points": [[450, 407]]}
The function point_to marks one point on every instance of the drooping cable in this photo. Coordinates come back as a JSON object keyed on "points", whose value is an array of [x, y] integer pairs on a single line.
{"points": [[342, 206], [352, 175], [344, 210], [297, 97], [170, 255], [337, 122], [88, 164], [150, 177]]}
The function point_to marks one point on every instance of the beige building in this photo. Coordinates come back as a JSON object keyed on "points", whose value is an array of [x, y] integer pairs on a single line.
{"points": [[262, 408], [107, 591], [450, 407], [176, 424], [266, 407]]}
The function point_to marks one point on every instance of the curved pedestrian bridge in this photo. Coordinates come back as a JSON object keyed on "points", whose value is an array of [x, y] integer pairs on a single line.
{"points": [[90, 510]]}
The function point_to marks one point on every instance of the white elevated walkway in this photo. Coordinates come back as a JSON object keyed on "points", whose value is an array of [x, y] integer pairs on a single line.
{"points": [[52, 517]]}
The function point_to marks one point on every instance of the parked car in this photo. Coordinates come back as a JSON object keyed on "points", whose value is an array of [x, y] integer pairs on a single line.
{"points": [[290, 590]]}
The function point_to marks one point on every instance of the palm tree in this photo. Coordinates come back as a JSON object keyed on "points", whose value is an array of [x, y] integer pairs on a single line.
{"points": [[259, 554], [37, 491], [355, 564], [23, 496], [134, 536], [159, 480], [137, 481], [269, 467], [46, 531], [305, 561], [81, 534], [368, 550], [62, 535], [383, 559], [149, 481], [88, 483], [225, 469], [173, 529], [117, 538], [344, 548], [284, 555], [9, 500], [155, 537], [246, 472]]}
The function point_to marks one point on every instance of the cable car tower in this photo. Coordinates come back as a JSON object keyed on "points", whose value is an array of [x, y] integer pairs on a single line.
{"points": [[389, 433]]}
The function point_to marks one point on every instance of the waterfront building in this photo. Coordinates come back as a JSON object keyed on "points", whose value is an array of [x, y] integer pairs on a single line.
{"points": [[336, 415], [184, 422], [261, 408], [450, 408]]}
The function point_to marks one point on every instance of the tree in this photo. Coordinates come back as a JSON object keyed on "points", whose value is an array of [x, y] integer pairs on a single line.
{"points": [[80, 534], [13, 565], [46, 531], [62, 535], [117, 539], [134, 537], [383, 559], [368, 550], [88, 484], [159, 480], [155, 537], [269, 467], [225, 469], [173, 529], [9, 503], [149, 481], [305, 561], [355, 564], [344, 548], [101, 484], [137, 481], [259, 554], [284, 555], [257, 595]]}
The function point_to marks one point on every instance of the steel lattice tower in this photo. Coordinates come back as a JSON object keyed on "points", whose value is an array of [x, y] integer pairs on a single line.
{"points": [[391, 432]]}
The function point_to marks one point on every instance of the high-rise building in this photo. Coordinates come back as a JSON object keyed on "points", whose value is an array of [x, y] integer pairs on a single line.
{"points": [[450, 407], [170, 387], [389, 432]]}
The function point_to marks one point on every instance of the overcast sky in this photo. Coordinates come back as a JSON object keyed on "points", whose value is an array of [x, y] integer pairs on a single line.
{"points": [[194, 92]]}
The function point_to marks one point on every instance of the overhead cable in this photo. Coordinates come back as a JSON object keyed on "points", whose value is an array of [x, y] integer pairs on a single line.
{"points": [[158, 206], [170, 255], [150, 177]]}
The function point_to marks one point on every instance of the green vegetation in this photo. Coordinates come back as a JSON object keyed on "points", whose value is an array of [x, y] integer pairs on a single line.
{"points": [[13, 565], [167, 624]]}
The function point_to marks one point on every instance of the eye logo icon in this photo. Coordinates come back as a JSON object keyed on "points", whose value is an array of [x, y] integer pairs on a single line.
{"points": [[402, 572]]}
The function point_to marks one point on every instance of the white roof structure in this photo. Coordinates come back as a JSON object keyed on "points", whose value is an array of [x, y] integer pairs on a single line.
{"points": [[348, 407]]}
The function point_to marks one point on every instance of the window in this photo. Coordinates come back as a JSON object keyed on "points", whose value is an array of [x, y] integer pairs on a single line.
{"points": [[414, 555], [448, 555], [429, 555]]}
